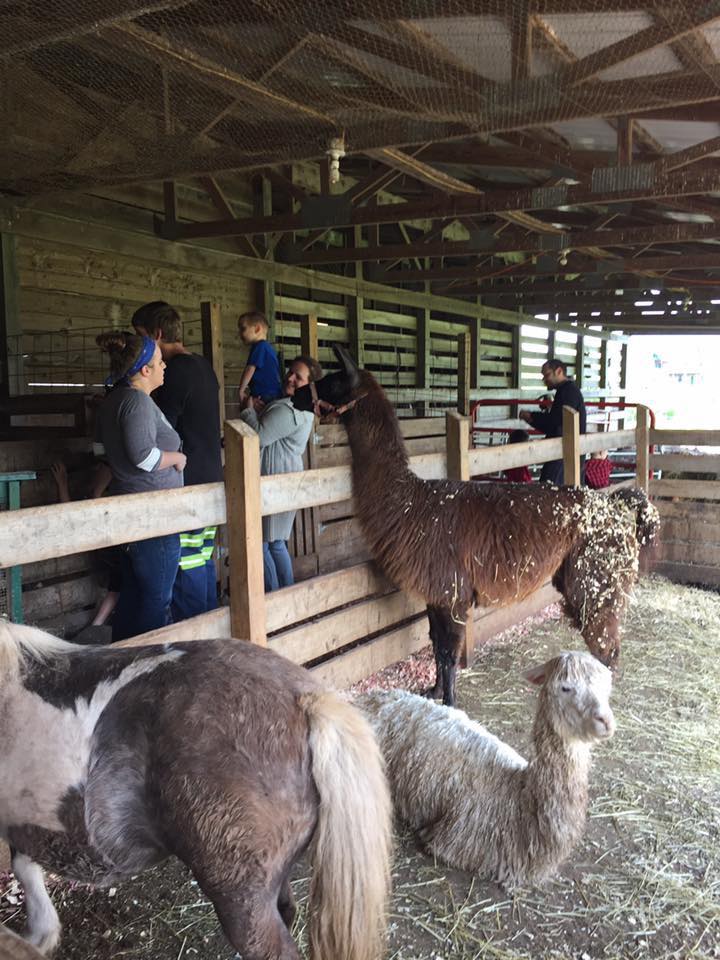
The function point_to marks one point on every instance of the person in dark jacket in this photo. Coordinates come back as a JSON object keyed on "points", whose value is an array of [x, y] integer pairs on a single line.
{"points": [[190, 400], [567, 394]]}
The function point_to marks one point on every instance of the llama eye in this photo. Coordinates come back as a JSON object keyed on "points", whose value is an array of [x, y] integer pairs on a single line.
{"points": [[566, 689]]}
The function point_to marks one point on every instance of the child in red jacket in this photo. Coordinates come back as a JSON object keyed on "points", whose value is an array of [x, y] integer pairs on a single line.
{"points": [[598, 470], [518, 474]]}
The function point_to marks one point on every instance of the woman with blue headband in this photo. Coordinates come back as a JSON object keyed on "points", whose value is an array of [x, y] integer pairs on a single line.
{"points": [[143, 453]]}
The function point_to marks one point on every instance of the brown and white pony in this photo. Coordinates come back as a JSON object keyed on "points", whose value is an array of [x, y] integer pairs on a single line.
{"points": [[221, 753]]}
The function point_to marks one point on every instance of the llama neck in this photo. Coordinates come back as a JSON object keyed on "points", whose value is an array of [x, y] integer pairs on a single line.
{"points": [[378, 451], [556, 789]]}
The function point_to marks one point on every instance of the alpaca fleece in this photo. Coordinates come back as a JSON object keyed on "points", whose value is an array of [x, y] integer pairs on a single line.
{"points": [[471, 799]]}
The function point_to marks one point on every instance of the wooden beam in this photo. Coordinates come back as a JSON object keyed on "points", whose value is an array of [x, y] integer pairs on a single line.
{"points": [[244, 528], [548, 267], [336, 212]]}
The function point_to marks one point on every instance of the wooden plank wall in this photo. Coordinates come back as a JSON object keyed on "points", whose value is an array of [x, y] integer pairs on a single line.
{"points": [[686, 493]]}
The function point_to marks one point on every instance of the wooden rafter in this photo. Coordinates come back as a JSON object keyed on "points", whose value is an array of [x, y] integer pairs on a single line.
{"points": [[683, 158], [643, 41], [494, 203], [518, 241], [549, 267], [183, 58], [554, 48], [89, 16], [422, 171]]}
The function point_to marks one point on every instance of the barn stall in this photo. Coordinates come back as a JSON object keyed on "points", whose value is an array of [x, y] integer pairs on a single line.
{"points": [[451, 257]]}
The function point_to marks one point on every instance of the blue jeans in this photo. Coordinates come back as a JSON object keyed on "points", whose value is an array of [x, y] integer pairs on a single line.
{"points": [[195, 589], [277, 565], [195, 592], [148, 573]]}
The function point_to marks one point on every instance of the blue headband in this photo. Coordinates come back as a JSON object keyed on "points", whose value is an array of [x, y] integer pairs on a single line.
{"points": [[146, 355]]}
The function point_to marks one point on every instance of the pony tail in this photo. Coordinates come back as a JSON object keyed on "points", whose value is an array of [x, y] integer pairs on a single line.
{"points": [[115, 341], [353, 841]]}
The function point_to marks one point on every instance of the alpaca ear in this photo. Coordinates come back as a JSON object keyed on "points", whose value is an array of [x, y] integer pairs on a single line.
{"points": [[347, 363], [537, 674]]}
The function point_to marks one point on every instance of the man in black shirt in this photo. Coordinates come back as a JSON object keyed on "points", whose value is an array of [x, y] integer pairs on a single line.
{"points": [[567, 394], [189, 398]]}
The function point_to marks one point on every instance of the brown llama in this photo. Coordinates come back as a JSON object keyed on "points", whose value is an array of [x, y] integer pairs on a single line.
{"points": [[459, 544], [220, 753]]}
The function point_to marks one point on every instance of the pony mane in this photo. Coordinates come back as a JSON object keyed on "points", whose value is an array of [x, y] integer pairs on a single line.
{"points": [[18, 641]]}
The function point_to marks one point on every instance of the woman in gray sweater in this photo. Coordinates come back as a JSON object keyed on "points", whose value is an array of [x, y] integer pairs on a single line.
{"points": [[143, 453], [284, 433]]}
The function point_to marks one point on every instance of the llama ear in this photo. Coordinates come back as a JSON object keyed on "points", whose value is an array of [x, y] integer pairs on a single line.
{"points": [[347, 363], [537, 674]]}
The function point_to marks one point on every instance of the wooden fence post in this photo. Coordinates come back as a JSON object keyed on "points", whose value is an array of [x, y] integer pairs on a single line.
{"points": [[244, 525], [642, 448], [457, 439], [571, 447], [464, 354]]}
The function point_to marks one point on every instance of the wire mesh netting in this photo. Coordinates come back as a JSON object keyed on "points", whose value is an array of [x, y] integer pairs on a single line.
{"points": [[122, 90]]}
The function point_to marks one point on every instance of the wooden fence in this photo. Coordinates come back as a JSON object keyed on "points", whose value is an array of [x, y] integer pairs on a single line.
{"points": [[687, 497], [345, 624]]}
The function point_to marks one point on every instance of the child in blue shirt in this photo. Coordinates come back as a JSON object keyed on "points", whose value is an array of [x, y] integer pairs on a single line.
{"points": [[262, 372]]}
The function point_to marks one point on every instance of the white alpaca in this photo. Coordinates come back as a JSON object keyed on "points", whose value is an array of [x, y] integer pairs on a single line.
{"points": [[471, 799]]}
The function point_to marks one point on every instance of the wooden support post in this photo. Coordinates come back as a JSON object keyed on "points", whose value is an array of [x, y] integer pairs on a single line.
{"points": [[244, 525], [571, 447], [309, 336], [516, 358], [265, 289], [457, 440], [551, 344], [623, 380], [170, 203], [603, 364], [475, 351], [624, 141], [212, 342], [642, 448], [423, 351], [580, 361], [12, 380], [464, 355], [355, 305]]}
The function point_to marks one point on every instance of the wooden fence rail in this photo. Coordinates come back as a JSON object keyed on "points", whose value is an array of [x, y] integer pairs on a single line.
{"points": [[348, 605]]}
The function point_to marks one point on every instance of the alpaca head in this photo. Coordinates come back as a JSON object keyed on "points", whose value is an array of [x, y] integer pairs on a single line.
{"points": [[335, 389], [575, 696]]}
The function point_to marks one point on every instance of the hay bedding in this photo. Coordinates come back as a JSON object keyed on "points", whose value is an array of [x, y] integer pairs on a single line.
{"points": [[645, 883]]}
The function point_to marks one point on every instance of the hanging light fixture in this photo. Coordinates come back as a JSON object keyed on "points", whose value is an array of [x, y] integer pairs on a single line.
{"points": [[336, 151]]}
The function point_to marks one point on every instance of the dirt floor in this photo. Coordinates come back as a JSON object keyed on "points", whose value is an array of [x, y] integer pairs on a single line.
{"points": [[645, 882]]}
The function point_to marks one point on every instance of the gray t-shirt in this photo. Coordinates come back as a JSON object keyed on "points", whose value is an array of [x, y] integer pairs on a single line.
{"points": [[132, 433]]}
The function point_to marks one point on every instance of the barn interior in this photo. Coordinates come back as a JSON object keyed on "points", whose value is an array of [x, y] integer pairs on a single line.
{"points": [[455, 190]]}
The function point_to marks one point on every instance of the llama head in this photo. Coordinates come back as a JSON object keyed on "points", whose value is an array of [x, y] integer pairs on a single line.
{"points": [[335, 389], [575, 696]]}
